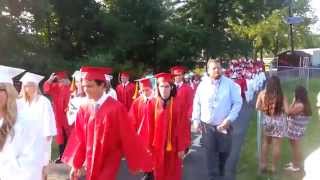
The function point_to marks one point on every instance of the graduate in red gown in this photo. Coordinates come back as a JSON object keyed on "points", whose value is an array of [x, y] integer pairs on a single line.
{"points": [[141, 113], [58, 88], [184, 93], [142, 116], [125, 90], [103, 134], [169, 140], [241, 81]]}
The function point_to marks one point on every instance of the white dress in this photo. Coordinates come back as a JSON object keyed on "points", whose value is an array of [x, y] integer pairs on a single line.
{"points": [[19, 158], [41, 115]]}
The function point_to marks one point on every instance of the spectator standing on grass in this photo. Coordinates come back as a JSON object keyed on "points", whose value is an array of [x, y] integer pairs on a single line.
{"points": [[273, 104], [299, 115]]}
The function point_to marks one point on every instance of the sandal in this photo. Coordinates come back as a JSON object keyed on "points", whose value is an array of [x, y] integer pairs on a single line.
{"points": [[292, 169]]}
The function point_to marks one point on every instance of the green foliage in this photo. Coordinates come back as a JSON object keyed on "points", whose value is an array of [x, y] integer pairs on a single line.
{"points": [[155, 33]]}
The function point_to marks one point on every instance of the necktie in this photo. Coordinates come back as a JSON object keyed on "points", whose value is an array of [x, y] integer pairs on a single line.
{"points": [[96, 107]]}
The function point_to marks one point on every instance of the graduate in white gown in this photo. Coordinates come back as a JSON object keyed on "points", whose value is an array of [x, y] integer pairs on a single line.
{"points": [[38, 111], [77, 97], [109, 90], [19, 142]]}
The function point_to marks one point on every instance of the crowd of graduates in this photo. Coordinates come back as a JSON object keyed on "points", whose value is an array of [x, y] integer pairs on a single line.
{"points": [[147, 121]]}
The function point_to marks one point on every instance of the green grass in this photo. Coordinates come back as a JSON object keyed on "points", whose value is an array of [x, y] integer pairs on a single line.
{"points": [[248, 165]]}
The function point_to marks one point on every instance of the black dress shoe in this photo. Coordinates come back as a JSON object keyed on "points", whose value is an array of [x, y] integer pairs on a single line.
{"points": [[58, 161], [148, 176]]}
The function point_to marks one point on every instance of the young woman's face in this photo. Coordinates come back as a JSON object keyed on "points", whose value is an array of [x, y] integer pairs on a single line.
{"points": [[3, 98], [30, 88]]}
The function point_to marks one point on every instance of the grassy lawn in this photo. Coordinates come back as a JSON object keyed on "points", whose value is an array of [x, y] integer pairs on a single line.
{"points": [[248, 165]]}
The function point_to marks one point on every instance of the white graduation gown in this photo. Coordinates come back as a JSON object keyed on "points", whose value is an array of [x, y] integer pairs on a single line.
{"points": [[41, 115], [311, 166], [73, 108], [19, 158], [112, 93]]}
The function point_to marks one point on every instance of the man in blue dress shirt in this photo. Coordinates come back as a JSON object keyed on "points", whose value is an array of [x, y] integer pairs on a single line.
{"points": [[216, 105]]}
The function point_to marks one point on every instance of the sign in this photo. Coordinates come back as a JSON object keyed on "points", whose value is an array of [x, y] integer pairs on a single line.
{"points": [[294, 20]]}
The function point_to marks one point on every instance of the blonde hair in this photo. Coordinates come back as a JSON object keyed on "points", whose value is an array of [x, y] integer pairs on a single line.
{"points": [[23, 94], [9, 112]]}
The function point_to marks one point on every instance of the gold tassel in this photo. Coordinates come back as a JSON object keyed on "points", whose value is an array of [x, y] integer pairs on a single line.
{"points": [[73, 85], [169, 141], [136, 91]]}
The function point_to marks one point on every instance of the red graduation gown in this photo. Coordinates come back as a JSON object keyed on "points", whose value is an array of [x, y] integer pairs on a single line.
{"points": [[125, 94], [100, 140], [168, 166], [243, 85], [141, 114], [60, 95], [185, 94]]}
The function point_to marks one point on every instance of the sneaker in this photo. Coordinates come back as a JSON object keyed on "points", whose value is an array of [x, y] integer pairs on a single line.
{"points": [[292, 169]]}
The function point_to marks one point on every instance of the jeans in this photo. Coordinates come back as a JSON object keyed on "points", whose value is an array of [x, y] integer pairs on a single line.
{"points": [[217, 148]]}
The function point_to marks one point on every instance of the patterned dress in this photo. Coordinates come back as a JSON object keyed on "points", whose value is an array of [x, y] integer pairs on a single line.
{"points": [[274, 126], [297, 126]]}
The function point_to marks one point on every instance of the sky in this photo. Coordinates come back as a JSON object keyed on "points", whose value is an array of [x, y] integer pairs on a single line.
{"points": [[315, 4]]}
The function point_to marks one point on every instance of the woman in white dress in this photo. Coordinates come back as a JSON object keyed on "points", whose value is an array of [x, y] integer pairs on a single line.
{"points": [[38, 110], [19, 147]]}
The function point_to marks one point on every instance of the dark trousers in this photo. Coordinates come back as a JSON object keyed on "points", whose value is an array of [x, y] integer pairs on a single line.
{"points": [[217, 148]]}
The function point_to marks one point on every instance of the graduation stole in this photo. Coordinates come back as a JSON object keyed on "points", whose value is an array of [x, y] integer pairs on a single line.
{"points": [[169, 136]]}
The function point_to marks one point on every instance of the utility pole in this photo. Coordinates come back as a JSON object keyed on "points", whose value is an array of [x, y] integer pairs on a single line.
{"points": [[291, 26]]}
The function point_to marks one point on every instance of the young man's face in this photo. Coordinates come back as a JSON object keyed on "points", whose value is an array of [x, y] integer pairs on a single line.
{"points": [[178, 78], [92, 89], [164, 89], [147, 91], [124, 79], [214, 70]]}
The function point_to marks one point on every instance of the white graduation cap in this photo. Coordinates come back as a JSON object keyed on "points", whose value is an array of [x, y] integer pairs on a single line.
{"points": [[8, 73], [77, 75], [108, 77], [31, 77]]}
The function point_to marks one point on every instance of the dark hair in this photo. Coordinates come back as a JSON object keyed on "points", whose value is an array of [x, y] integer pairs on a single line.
{"points": [[173, 91], [301, 95], [273, 100], [101, 82]]}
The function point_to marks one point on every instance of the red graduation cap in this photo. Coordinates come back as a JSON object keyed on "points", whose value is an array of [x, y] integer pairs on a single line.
{"points": [[95, 73], [166, 77], [144, 82], [61, 74], [178, 70], [125, 74]]}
